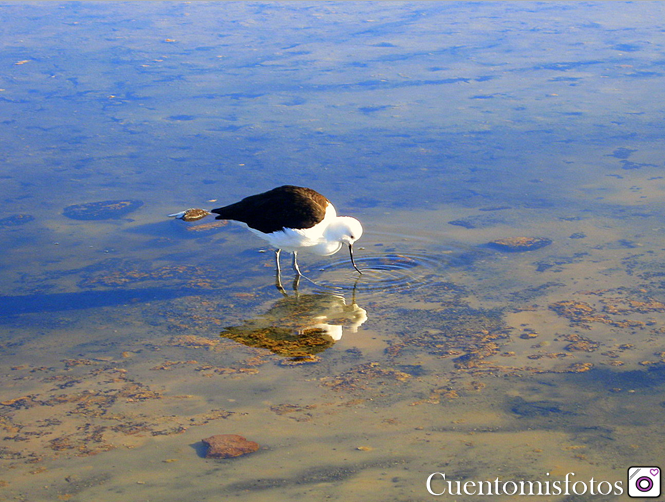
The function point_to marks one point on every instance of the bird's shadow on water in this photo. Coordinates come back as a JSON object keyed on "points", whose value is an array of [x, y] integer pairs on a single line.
{"points": [[54, 302], [181, 230], [159, 229]]}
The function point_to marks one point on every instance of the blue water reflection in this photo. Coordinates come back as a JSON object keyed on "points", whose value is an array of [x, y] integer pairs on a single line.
{"points": [[442, 126]]}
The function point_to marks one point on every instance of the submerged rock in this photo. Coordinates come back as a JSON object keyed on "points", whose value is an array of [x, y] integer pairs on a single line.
{"points": [[519, 244], [103, 210], [16, 220], [228, 446]]}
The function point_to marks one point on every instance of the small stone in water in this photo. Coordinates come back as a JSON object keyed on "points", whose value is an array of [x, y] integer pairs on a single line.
{"points": [[519, 244], [228, 446], [194, 214]]}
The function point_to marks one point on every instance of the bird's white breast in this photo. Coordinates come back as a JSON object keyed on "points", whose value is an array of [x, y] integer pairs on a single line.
{"points": [[308, 239]]}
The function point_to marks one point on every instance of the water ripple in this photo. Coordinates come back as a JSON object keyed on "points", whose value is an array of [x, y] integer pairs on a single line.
{"points": [[388, 271]]}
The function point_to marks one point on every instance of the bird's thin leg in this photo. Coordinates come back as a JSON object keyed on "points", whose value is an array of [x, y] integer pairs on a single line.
{"points": [[295, 264], [299, 274], [278, 273]]}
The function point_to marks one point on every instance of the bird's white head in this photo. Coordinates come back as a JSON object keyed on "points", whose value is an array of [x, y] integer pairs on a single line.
{"points": [[345, 230]]}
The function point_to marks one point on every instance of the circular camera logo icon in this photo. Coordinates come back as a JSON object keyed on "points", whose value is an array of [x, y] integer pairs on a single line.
{"points": [[644, 482]]}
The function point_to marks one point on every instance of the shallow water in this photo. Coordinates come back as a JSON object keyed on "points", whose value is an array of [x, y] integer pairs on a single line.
{"points": [[442, 126]]}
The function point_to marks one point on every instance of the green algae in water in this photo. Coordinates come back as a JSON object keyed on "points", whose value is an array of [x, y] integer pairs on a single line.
{"points": [[282, 341]]}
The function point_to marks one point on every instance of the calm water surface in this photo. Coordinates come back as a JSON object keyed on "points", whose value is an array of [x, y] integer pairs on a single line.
{"points": [[126, 338]]}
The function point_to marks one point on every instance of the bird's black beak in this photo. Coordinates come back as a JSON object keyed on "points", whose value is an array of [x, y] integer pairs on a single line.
{"points": [[352, 260]]}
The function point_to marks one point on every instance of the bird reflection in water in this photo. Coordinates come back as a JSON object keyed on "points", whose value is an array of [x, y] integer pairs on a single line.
{"points": [[300, 326]]}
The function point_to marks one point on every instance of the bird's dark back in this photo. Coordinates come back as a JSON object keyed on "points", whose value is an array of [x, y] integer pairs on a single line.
{"points": [[282, 207]]}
